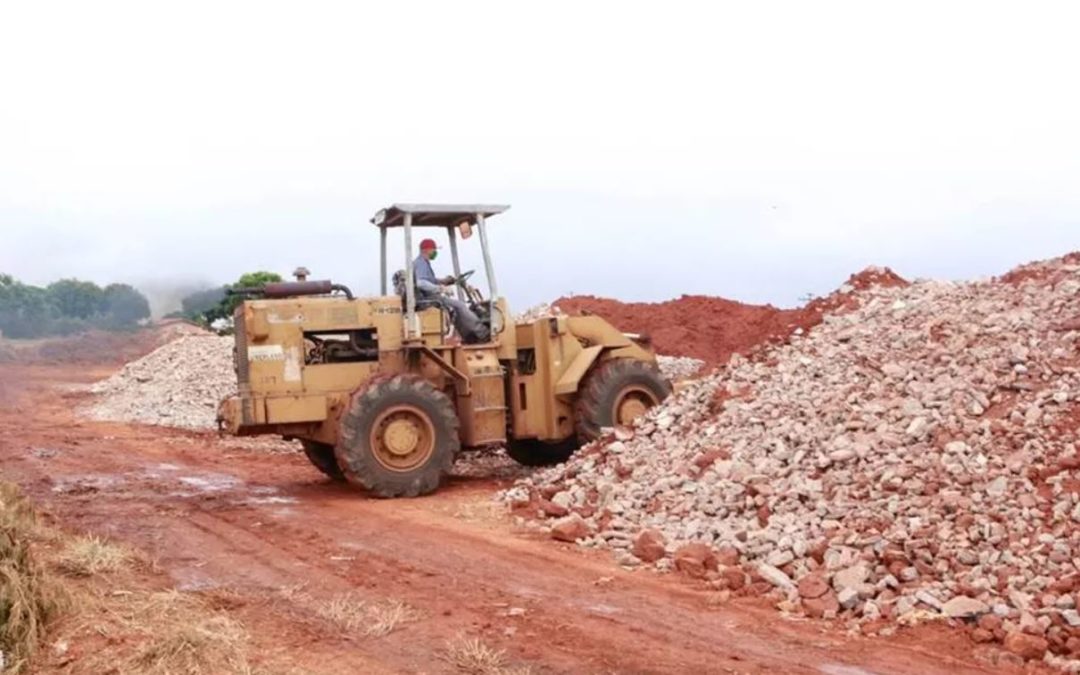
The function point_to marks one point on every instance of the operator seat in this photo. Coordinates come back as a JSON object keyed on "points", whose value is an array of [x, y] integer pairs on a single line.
{"points": [[422, 304]]}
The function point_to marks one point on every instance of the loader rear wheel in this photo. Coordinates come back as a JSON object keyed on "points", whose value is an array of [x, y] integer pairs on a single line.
{"points": [[615, 394], [398, 437], [321, 455], [533, 452]]}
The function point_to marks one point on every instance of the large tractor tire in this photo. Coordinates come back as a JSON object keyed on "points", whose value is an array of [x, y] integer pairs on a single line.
{"points": [[615, 394], [532, 452], [321, 455], [398, 438]]}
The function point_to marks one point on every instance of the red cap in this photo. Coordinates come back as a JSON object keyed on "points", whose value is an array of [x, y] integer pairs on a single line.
{"points": [[427, 244]]}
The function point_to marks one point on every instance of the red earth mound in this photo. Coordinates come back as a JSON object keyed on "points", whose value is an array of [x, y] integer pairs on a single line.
{"points": [[711, 328], [1043, 271]]}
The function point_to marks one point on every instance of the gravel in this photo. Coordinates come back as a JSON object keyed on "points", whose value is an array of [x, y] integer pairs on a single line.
{"points": [[179, 384], [918, 447], [677, 368]]}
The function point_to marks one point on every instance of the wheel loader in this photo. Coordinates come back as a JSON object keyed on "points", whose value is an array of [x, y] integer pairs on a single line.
{"points": [[381, 392]]}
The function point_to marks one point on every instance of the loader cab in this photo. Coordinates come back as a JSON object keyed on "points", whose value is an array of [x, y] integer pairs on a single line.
{"points": [[456, 220]]}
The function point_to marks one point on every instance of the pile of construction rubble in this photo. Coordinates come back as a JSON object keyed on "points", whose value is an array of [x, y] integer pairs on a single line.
{"points": [[178, 384], [537, 312], [912, 457], [677, 368]]}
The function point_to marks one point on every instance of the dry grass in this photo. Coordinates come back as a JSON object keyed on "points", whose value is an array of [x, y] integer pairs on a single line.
{"points": [[474, 656], [89, 555], [175, 633], [375, 619], [210, 645], [29, 598], [154, 633], [388, 616]]}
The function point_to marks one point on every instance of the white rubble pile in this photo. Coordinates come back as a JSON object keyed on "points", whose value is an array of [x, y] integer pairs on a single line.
{"points": [[915, 456], [537, 312], [678, 367], [178, 384], [488, 463]]}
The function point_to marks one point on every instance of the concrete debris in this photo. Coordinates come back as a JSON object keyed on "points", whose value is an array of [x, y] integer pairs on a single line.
{"points": [[894, 451], [537, 312], [677, 368], [178, 384], [1026, 646], [775, 576], [962, 607], [571, 528]]}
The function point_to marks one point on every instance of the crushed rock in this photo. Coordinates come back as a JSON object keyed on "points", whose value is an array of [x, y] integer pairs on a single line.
{"points": [[919, 447], [178, 384], [537, 312], [677, 368]]}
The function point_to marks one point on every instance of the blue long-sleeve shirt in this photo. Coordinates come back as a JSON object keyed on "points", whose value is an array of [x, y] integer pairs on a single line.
{"points": [[424, 275]]}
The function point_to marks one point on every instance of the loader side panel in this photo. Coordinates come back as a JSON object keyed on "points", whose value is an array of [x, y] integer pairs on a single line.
{"points": [[481, 413], [545, 353], [278, 389], [290, 409]]}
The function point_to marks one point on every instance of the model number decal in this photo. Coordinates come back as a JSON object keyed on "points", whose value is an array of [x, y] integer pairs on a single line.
{"points": [[386, 310], [266, 353]]}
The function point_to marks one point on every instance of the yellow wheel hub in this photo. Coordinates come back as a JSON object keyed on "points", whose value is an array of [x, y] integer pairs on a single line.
{"points": [[631, 403], [402, 436], [630, 410]]}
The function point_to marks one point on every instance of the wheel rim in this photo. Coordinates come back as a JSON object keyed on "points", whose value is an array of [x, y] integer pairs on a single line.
{"points": [[402, 438], [631, 403]]}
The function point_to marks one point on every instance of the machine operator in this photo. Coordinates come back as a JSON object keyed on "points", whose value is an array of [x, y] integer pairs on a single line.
{"points": [[468, 324]]}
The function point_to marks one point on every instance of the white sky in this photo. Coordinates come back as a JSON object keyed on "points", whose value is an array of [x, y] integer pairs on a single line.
{"points": [[756, 150]]}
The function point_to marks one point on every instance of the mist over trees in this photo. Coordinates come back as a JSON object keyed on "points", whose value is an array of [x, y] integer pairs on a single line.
{"points": [[71, 306], [67, 306], [200, 303], [216, 304]]}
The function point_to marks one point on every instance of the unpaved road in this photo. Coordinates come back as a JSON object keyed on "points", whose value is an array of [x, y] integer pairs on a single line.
{"points": [[270, 529]]}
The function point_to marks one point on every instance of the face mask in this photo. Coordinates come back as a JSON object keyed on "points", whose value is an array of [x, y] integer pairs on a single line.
{"points": [[434, 254]]}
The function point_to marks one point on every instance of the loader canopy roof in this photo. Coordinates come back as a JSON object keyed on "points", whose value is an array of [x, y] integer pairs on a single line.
{"points": [[450, 217], [433, 215]]}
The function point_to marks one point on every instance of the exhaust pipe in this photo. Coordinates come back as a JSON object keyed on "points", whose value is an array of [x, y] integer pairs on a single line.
{"points": [[291, 289]]}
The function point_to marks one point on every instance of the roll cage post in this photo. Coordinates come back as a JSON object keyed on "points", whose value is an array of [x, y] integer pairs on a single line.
{"points": [[447, 216]]}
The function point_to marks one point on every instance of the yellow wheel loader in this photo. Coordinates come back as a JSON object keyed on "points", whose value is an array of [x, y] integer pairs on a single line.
{"points": [[382, 393]]}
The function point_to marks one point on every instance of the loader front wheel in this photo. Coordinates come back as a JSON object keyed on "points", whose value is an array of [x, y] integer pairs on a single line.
{"points": [[398, 438], [321, 455], [533, 452], [615, 394]]}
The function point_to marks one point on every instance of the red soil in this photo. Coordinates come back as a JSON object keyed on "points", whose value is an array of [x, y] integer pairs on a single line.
{"points": [[269, 542], [711, 328], [1043, 271]]}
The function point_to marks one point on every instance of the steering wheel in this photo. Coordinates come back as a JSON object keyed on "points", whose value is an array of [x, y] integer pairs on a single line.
{"points": [[463, 277]]}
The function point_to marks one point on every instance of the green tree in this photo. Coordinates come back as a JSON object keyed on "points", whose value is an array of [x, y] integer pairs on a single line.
{"points": [[257, 279], [76, 299], [196, 305], [124, 306], [25, 311], [229, 303]]}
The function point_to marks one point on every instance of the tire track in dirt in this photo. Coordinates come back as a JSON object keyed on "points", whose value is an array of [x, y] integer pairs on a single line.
{"points": [[258, 523]]}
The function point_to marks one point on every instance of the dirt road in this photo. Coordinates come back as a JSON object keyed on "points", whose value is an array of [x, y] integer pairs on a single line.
{"points": [[216, 514]]}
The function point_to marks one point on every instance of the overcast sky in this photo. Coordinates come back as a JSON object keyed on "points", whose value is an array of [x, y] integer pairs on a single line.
{"points": [[755, 150]]}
